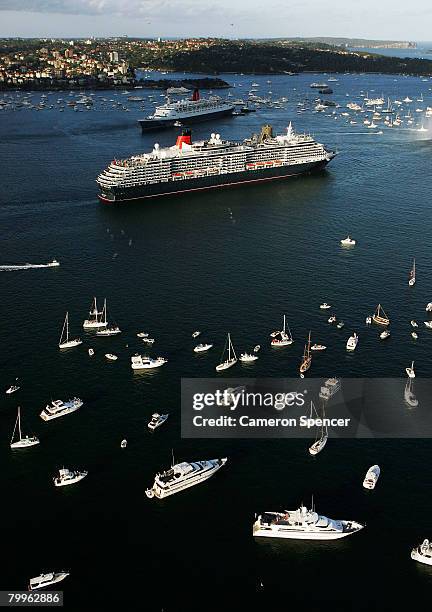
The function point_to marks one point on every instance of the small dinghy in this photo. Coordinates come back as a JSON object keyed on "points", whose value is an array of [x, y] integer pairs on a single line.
{"points": [[91, 352], [371, 477], [257, 348], [414, 335], [123, 444], [248, 358], [414, 323], [368, 320], [428, 307], [340, 325], [318, 347], [348, 241], [200, 348], [111, 357], [410, 371], [196, 334], [428, 324], [385, 334]]}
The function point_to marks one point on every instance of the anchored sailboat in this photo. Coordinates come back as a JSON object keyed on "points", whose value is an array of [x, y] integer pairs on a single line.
{"points": [[412, 276], [307, 357], [112, 330], [22, 442], [64, 341], [284, 338], [95, 318], [380, 316], [231, 357], [320, 441]]}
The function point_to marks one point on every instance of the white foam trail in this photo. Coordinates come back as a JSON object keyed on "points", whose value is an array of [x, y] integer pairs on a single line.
{"points": [[28, 266]]}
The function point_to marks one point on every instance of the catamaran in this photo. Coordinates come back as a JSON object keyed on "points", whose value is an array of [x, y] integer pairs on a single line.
{"points": [[95, 318], [320, 441], [22, 442], [378, 318], [284, 338], [412, 276], [307, 357], [112, 330], [231, 357], [64, 342]]}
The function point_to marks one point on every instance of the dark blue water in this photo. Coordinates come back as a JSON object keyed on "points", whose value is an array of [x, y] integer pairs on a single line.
{"points": [[192, 265]]}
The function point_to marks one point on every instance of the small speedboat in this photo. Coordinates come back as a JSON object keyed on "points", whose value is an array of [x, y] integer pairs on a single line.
{"points": [[371, 477], [91, 352], [352, 342], [157, 420], [340, 325], [428, 307], [348, 241], [385, 334], [257, 348], [428, 324], [414, 335], [111, 357], [247, 357], [414, 323], [148, 340], [12, 389], [318, 347], [200, 348], [142, 335], [196, 334], [123, 444], [331, 319], [325, 306], [410, 371]]}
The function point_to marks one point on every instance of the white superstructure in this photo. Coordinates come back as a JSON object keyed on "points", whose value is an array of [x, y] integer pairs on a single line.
{"points": [[58, 408], [182, 476]]}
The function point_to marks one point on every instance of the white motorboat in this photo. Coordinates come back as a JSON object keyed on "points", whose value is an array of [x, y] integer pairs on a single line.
{"points": [[148, 340], [123, 443], [340, 325], [201, 348], [13, 388], [108, 330], [371, 477], [428, 307], [257, 348], [142, 335], [410, 371], [352, 342], [196, 334], [412, 275], [325, 306], [231, 356], [182, 476], [414, 335], [322, 432], [91, 352], [58, 408], [95, 320], [140, 362], [65, 342], [348, 241], [414, 323], [21, 442], [318, 347], [157, 420], [111, 356], [248, 358], [428, 324], [330, 388], [67, 477], [423, 553], [45, 580], [284, 338], [302, 524], [384, 334], [368, 320], [331, 319]]}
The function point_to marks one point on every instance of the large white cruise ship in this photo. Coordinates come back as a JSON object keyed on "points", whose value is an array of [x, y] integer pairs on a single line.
{"points": [[189, 111], [213, 163], [182, 476], [302, 524]]}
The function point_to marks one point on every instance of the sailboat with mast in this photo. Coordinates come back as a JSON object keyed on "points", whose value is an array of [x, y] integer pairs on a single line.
{"points": [[231, 356], [412, 276], [65, 342], [110, 330], [95, 318], [380, 316], [307, 357], [22, 442], [283, 338], [320, 441]]}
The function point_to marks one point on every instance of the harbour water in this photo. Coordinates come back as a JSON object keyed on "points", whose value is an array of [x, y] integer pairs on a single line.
{"points": [[233, 261]]}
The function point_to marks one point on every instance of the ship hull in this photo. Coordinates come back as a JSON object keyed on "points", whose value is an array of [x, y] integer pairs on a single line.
{"points": [[236, 179], [149, 125]]}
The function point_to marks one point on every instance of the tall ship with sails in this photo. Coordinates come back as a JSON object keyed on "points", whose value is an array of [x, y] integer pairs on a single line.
{"points": [[214, 163], [190, 111]]}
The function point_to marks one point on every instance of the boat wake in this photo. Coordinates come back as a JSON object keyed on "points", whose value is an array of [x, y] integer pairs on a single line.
{"points": [[29, 266]]}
